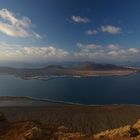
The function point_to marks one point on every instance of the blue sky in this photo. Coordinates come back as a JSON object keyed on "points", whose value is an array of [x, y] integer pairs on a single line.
{"points": [[69, 30]]}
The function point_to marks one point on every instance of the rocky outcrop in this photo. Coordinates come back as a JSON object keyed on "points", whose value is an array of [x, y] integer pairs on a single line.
{"points": [[34, 130], [129, 132]]}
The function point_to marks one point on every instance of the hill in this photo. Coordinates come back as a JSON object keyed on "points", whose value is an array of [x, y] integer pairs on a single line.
{"points": [[81, 70], [100, 67]]}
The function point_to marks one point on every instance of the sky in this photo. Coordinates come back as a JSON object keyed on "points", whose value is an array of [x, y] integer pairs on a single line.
{"points": [[70, 30]]}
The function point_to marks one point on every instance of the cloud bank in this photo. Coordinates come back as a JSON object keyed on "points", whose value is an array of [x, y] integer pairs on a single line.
{"points": [[110, 52], [18, 52], [92, 52]]}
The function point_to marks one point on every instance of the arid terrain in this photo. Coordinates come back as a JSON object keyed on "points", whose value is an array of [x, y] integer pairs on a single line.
{"points": [[27, 118], [34, 130], [82, 70], [77, 118]]}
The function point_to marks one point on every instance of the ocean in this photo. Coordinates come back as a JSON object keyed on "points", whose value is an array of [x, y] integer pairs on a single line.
{"points": [[92, 90]]}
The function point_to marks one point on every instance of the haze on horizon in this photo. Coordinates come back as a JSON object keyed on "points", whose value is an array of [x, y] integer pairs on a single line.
{"points": [[52, 30]]}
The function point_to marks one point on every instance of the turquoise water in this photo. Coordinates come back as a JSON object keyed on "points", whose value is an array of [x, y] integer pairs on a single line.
{"points": [[94, 90]]}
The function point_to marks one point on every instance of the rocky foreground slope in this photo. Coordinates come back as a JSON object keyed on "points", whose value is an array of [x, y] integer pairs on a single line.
{"points": [[128, 132], [34, 130]]}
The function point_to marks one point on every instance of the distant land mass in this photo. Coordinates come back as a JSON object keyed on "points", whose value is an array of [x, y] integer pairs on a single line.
{"points": [[79, 70]]}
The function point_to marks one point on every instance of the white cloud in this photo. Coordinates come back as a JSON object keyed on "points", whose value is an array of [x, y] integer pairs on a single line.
{"points": [[44, 52], [91, 32], [78, 19], [111, 52], [108, 29], [133, 50], [88, 47], [111, 29], [17, 52], [15, 27]]}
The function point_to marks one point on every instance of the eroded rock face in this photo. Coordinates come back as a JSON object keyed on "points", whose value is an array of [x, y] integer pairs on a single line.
{"points": [[34, 130], [31, 130], [129, 132]]}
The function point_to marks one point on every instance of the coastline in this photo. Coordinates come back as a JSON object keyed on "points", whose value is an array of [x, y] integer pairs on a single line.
{"points": [[92, 74], [59, 102]]}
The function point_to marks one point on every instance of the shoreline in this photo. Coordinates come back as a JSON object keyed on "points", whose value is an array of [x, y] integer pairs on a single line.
{"points": [[97, 74], [61, 103], [53, 77]]}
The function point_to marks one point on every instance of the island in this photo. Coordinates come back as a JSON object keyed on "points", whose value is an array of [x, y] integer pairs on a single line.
{"points": [[81, 70]]}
